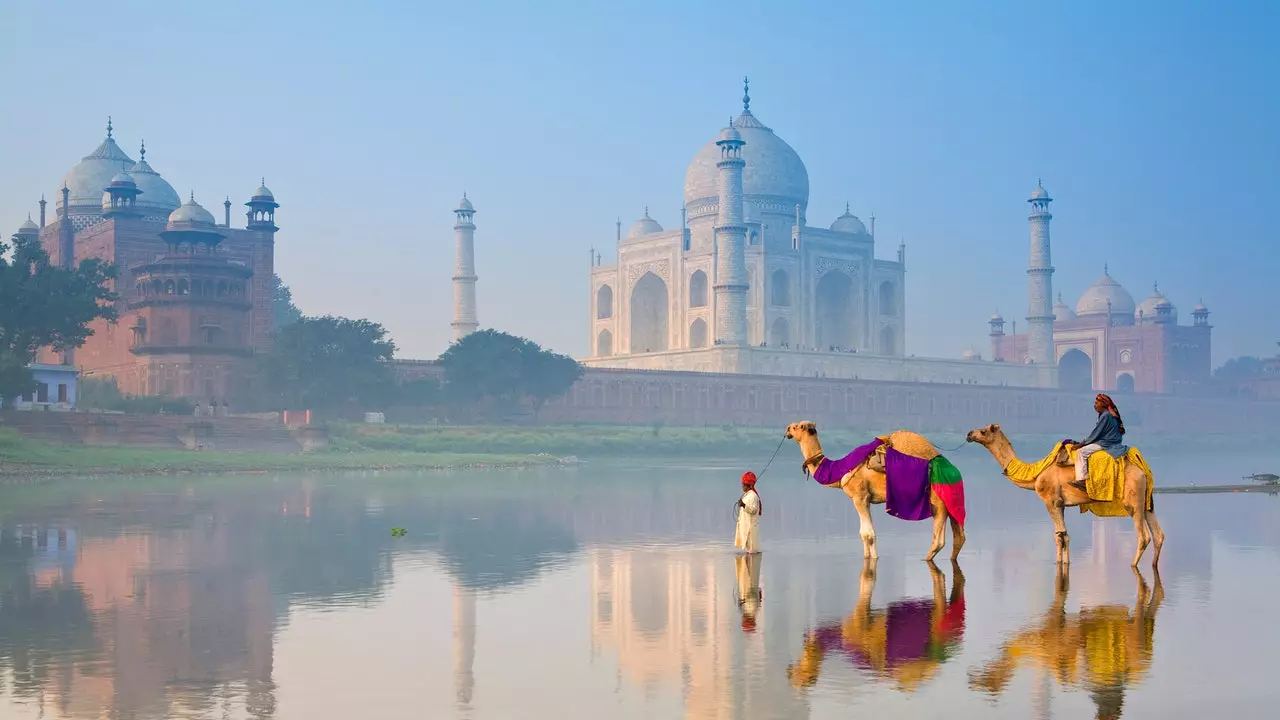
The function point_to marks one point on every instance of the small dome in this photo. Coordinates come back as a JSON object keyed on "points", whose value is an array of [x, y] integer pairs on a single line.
{"points": [[1149, 309], [465, 204], [1094, 300], [28, 226], [191, 214], [263, 193], [155, 193], [729, 133], [1039, 193], [1198, 309], [1062, 312], [997, 317], [644, 226], [849, 223], [122, 179]]}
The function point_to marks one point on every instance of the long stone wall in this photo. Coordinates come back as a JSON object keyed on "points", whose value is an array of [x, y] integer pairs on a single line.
{"points": [[678, 398]]}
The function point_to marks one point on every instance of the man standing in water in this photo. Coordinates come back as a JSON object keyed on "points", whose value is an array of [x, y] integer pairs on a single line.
{"points": [[747, 536]]}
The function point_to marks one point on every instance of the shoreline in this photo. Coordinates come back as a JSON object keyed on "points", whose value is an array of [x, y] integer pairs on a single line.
{"points": [[16, 471]]}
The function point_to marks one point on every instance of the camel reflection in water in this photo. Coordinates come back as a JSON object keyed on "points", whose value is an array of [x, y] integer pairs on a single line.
{"points": [[905, 643], [1103, 649]]}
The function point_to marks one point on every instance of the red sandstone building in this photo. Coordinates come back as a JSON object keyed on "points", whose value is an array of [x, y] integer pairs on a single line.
{"points": [[1110, 343], [195, 296]]}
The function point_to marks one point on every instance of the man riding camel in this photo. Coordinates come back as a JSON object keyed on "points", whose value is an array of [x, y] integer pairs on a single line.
{"points": [[1107, 435]]}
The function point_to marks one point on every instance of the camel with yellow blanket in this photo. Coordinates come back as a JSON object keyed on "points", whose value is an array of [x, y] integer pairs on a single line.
{"points": [[1104, 649], [1116, 487], [901, 470]]}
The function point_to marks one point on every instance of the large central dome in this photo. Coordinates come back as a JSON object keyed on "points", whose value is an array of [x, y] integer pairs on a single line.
{"points": [[774, 177]]}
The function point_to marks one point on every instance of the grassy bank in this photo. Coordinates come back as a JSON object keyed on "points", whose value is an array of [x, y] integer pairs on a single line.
{"points": [[658, 442], [23, 457]]}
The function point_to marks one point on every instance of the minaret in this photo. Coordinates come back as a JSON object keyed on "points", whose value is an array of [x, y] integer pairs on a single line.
{"points": [[464, 271], [42, 204], [66, 233], [731, 243], [1040, 281], [226, 211], [464, 644]]}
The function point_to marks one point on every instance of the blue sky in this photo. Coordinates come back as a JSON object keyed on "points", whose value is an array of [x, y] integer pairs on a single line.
{"points": [[1155, 125]]}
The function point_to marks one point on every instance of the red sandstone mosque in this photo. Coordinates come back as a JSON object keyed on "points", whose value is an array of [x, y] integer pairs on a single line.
{"points": [[195, 295]]}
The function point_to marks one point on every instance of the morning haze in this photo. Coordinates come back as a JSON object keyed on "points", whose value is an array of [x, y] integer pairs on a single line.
{"points": [[1149, 123]]}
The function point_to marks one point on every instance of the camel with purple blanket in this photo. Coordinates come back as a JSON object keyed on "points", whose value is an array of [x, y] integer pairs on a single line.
{"points": [[902, 471]]}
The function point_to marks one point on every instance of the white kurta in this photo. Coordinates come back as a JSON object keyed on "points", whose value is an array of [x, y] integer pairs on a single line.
{"points": [[747, 536]]}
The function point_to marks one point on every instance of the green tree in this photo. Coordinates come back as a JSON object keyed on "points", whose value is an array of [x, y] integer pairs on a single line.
{"points": [[282, 307], [505, 370], [1240, 368], [45, 305], [329, 364]]}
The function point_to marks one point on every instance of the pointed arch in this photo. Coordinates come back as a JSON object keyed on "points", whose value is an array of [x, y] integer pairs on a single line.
{"points": [[698, 333], [780, 289], [649, 315], [888, 341], [604, 303], [888, 298], [604, 344], [698, 289], [780, 334], [1075, 371]]}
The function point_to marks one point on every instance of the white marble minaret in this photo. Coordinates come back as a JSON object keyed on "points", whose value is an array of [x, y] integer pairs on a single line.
{"points": [[1040, 281], [464, 271], [731, 244]]}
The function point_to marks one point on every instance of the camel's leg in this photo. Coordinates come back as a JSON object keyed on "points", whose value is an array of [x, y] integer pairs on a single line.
{"points": [[1054, 506], [867, 529], [1157, 535], [1140, 527], [957, 538], [939, 532]]}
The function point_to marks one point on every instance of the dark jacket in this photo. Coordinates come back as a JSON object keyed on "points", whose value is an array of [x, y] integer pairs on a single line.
{"points": [[1107, 435]]}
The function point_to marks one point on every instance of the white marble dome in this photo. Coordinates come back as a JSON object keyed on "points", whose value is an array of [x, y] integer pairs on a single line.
{"points": [[644, 226], [1039, 193], [1062, 312], [463, 204], [157, 193], [28, 226], [773, 175], [849, 223], [1094, 300], [191, 213], [93, 173], [1149, 309]]}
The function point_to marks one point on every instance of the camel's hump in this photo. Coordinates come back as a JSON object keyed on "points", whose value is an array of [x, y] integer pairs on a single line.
{"points": [[913, 444]]}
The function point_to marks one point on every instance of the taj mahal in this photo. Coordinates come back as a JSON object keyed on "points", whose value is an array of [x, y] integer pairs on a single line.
{"points": [[746, 286]]}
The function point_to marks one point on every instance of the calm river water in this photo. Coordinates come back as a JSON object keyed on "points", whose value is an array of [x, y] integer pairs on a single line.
{"points": [[610, 590]]}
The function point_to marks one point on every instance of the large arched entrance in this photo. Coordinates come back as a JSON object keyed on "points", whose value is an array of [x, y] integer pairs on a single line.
{"points": [[780, 335], [649, 315], [698, 333], [835, 316], [1075, 371]]}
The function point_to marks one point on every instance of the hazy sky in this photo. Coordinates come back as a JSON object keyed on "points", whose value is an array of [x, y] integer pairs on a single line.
{"points": [[1155, 126]]}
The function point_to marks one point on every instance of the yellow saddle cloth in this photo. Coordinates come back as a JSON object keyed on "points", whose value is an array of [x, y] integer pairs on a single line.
{"points": [[1105, 483]]}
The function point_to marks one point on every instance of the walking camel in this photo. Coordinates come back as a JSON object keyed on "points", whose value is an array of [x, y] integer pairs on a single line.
{"points": [[865, 482], [1054, 486]]}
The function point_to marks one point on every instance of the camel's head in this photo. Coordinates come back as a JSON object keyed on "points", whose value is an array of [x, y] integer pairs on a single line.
{"points": [[800, 430], [984, 435]]}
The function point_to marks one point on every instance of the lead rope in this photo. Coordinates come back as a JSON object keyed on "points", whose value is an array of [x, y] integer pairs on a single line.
{"points": [[775, 454], [966, 442]]}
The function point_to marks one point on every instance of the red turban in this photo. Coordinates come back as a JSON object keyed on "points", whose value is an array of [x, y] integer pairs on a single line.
{"points": [[749, 478]]}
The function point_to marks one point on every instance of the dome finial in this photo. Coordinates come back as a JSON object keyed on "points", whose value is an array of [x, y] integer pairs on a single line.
{"points": [[746, 95], [1105, 269], [646, 211], [193, 196], [846, 206], [108, 127], [142, 151], [1155, 287]]}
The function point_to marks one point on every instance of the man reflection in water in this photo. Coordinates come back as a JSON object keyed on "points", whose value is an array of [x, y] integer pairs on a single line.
{"points": [[747, 569], [906, 642], [1115, 644]]}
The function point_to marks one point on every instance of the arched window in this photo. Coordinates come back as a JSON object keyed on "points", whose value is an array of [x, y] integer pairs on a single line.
{"points": [[780, 336], [780, 292], [698, 333], [184, 288], [1124, 383], [168, 287], [888, 299], [604, 303], [698, 289], [604, 344]]}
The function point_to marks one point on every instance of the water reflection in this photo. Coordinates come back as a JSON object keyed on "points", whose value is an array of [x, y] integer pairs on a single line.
{"points": [[750, 595], [905, 643], [1104, 649]]}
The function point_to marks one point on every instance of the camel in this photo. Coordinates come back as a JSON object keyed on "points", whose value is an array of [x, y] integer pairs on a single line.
{"points": [[1055, 489], [886, 641], [1114, 643], [865, 486]]}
